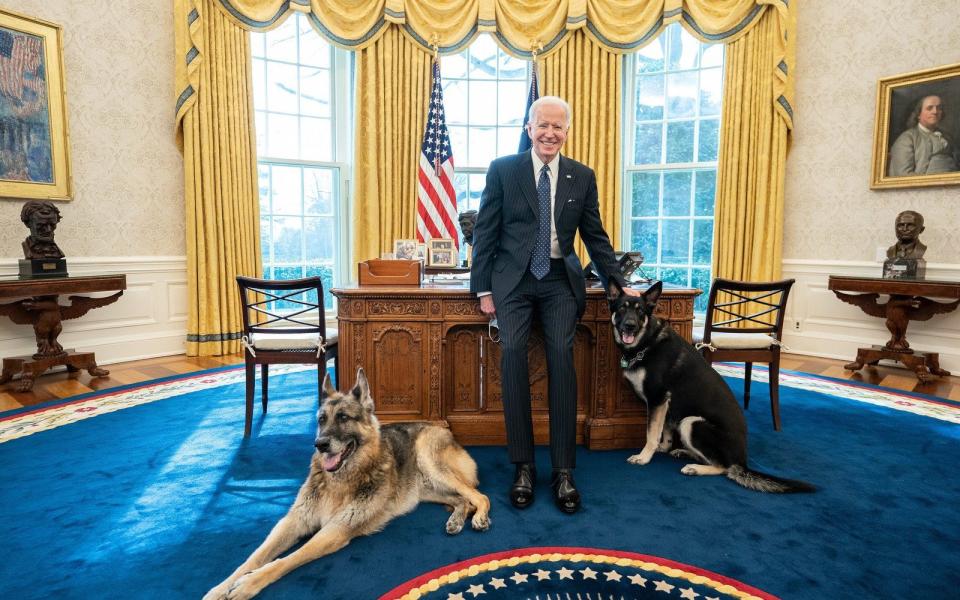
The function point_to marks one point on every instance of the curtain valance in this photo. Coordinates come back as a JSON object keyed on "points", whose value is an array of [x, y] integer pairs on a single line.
{"points": [[518, 26]]}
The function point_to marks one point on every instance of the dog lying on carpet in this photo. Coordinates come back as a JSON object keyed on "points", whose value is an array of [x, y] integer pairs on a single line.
{"points": [[690, 409], [361, 476]]}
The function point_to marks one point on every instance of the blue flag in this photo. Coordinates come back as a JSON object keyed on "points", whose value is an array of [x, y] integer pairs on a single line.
{"points": [[531, 98]]}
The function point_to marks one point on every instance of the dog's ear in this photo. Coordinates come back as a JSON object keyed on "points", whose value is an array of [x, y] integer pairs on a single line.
{"points": [[361, 390], [614, 290], [328, 389], [651, 296]]}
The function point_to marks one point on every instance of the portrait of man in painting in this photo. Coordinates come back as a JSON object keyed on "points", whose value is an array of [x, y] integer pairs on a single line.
{"points": [[918, 140], [25, 139]]}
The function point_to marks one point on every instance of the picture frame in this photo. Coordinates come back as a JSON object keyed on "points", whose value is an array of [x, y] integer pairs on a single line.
{"points": [[442, 252], [405, 249], [906, 155], [34, 163]]}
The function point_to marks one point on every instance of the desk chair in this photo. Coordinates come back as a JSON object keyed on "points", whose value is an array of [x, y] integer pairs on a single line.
{"points": [[744, 323], [283, 323]]}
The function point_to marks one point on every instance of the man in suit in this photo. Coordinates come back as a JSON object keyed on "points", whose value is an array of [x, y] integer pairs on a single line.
{"points": [[524, 265]]}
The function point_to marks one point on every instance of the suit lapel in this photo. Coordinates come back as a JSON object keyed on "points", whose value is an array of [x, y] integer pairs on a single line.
{"points": [[564, 184], [528, 187]]}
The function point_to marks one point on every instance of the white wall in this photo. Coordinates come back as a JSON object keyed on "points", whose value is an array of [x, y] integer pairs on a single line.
{"points": [[834, 223]]}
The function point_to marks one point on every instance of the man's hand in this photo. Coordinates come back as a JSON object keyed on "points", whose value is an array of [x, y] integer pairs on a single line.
{"points": [[629, 291], [487, 307]]}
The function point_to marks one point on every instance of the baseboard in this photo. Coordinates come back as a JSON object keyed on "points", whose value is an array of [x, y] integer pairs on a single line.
{"points": [[148, 321], [819, 324]]}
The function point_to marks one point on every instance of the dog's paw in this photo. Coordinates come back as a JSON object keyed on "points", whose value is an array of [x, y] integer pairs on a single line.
{"points": [[244, 588], [219, 592], [640, 459], [680, 453], [480, 523], [455, 523], [689, 470]]}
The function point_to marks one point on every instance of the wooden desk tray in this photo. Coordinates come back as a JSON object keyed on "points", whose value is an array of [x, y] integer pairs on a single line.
{"points": [[378, 271]]}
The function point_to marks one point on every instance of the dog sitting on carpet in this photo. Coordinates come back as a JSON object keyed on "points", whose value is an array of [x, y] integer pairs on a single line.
{"points": [[361, 476], [690, 409]]}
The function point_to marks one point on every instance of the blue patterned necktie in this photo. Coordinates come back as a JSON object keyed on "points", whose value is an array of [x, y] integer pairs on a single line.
{"points": [[540, 263]]}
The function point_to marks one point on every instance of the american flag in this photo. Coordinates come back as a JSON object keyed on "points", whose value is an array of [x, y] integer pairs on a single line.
{"points": [[20, 65], [531, 97], [436, 199]]}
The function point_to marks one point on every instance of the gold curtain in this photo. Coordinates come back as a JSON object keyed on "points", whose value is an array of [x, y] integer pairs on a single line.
{"points": [[393, 90], [215, 127], [588, 76], [748, 223]]}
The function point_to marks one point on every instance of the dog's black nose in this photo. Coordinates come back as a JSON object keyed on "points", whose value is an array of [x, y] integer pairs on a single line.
{"points": [[322, 444]]}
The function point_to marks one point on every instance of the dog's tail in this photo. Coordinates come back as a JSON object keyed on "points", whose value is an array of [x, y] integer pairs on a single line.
{"points": [[762, 482]]}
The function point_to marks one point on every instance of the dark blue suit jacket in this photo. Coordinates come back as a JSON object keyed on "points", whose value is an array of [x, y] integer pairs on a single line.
{"points": [[507, 227]]}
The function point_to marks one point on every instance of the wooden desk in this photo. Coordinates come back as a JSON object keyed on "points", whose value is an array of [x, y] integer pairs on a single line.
{"points": [[427, 356], [908, 302], [42, 309]]}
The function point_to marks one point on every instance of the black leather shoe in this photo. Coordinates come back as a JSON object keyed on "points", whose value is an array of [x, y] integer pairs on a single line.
{"points": [[521, 492], [565, 493]]}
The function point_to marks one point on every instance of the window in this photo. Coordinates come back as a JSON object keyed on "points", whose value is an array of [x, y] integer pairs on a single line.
{"points": [[302, 101], [484, 95], [672, 122]]}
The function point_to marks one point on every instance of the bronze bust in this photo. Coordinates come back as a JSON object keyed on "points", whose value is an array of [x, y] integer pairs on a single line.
{"points": [[41, 217], [468, 220], [909, 226]]}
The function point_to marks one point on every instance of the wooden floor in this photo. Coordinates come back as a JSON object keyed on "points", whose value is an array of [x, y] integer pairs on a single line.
{"points": [[60, 386]]}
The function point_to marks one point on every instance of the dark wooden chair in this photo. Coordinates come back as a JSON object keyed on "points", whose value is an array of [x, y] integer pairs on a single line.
{"points": [[744, 323], [283, 323]]}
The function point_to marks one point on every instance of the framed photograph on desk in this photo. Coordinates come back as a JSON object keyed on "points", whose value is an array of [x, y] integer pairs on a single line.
{"points": [[442, 252]]}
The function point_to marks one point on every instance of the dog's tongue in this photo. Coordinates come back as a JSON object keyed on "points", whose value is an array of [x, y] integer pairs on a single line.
{"points": [[330, 462], [628, 338]]}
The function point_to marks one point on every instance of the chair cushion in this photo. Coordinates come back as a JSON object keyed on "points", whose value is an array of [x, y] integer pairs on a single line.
{"points": [[742, 341], [284, 341]]}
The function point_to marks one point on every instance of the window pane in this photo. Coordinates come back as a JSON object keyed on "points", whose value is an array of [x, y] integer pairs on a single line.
{"points": [[477, 183], [712, 55], [650, 57], [676, 241], [317, 139], [325, 272], [643, 237], [676, 193], [483, 103], [263, 183], [700, 278], [483, 146], [511, 102], [705, 191], [709, 140], [260, 120], [287, 239], [282, 88], [647, 144], [455, 102], [646, 194], [458, 142], [282, 42], [512, 68], [674, 275], [259, 85], [287, 195], [318, 191], [650, 97], [257, 49], [508, 140], [314, 92], [483, 58], [680, 141], [711, 88], [319, 233], [314, 50], [454, 65], [683, 49], [681, 95], [283, 138], [702, 241]]}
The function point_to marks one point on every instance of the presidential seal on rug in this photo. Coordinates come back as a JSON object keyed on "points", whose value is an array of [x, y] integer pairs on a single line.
{"points": [[690, 409], [361, 476]]}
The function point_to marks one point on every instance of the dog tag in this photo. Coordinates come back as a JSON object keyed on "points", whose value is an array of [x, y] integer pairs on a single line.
{"points": [[624, 364]]}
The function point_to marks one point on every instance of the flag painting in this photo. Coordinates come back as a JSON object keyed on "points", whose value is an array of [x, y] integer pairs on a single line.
{"points": [[436, 198]]}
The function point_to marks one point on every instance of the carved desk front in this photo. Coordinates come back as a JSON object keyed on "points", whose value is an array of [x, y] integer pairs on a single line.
{"points": [[428, 356], [41, 309]]}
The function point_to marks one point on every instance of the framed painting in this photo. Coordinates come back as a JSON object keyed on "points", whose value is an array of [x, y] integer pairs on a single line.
{"points": [[441, 252], [34, 149], [916, 140]]}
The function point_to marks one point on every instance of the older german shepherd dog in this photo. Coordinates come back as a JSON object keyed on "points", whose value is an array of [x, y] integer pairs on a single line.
{"points": [[361, 476], [685, 397]]}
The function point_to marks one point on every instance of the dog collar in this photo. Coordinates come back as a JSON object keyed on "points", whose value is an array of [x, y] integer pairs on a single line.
{"points": [[627, 363]]}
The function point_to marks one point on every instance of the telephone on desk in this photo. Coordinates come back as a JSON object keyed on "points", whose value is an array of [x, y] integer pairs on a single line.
{"points": [[629, 263]]}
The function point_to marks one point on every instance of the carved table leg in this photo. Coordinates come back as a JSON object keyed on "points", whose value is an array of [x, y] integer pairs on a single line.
{"points": [[86, 360], [918, 364], [857, 364], [10, 368], [933, 362]]}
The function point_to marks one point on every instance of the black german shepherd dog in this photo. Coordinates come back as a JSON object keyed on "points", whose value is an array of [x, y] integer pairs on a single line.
{"points": [[690, 409]]}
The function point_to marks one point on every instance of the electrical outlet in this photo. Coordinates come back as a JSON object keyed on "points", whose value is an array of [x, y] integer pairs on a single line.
{"points": [[796, 325]]}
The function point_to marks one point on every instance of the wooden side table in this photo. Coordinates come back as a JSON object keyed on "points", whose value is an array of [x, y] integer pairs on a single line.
{"points": [[908, 302], [41, 309]]}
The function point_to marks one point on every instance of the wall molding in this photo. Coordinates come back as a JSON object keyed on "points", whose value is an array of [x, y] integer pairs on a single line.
{"points": [[817, 323], [148, 321]]}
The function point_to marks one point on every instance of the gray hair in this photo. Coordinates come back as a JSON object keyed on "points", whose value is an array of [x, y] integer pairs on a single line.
{"points": [[549, 101]]}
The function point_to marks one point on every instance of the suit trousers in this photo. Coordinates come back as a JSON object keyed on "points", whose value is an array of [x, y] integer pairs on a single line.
{"points": [[551, 299]]}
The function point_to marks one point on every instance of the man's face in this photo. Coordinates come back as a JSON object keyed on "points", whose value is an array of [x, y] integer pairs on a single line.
{"points": [[931, 112], [907, 228], [548, 131], [42, 226]]}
